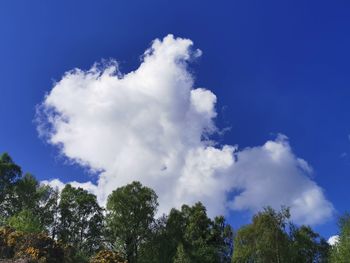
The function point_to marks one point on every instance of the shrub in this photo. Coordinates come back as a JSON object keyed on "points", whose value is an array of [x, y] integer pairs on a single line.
{"points": [[35, 247], [107, 256], [9, 238], [26, 221], [41, 248]]}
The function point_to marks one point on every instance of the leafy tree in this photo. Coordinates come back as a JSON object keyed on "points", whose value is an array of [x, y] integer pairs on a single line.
{"points": [[307, 246], [22, 196], [131, 211], [200, 238], [9, 174], [222, 238], [26, 221], [156, 248], [34, 212], [197, 234], [324, 250], [48, 209], [41, 200], [265, 239], [341, 250], [163, 240], [25, 194], [189, 235], [175, 232], [181, 256], [81, 220]]}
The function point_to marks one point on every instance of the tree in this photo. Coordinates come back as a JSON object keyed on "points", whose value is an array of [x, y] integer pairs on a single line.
{"points": [[340, 252], [188, 235], [41, 200], [307, 246], [26, 195], [181, 256], [130, 214], [9, 174], [265, 239], [23, 195], [205, 240], [81, 220], [222, 239], [156, 246], [26, 221], [197, 234], [48, 209]]}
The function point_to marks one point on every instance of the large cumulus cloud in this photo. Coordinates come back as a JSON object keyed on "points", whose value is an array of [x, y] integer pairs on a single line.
{"points": [[154, 126]]}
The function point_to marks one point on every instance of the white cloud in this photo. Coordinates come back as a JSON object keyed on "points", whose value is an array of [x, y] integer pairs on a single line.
{"points": [[57, 184], [333, 240], [152, 125], [271, 174], [54, 183]]}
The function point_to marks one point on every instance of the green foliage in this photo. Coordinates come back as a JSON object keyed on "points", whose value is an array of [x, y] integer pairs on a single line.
{"points": [[181, 256], [48, 209], [198, 236], [266, 240], [26, 196], [155, 248], [189, 235], [9, 174], [22, 197], [81, 220], [34, 216], [340, 252], [222, 239], [307, 246], [131, 211], [26, 221]]}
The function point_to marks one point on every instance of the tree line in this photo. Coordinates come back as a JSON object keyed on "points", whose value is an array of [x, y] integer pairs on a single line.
{"points": [[41, 224]]}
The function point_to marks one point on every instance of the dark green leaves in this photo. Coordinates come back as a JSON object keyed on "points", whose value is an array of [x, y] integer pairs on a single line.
{"points": [[81, 220], [131, 210]]}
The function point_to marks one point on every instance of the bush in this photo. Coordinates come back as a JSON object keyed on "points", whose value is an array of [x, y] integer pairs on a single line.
{"points": [[9, 238], [35, 247], [26, 221], [72, 255], [107, 256], [41, 248]]}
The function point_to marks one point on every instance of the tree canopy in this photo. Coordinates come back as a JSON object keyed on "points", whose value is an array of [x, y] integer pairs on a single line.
{"points": [[81, 220], [271, 237], [43, 224], [130, 214], [341, 250]]}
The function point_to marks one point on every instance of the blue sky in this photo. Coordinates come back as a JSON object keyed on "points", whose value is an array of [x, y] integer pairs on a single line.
{"points": [[275, 67]]}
